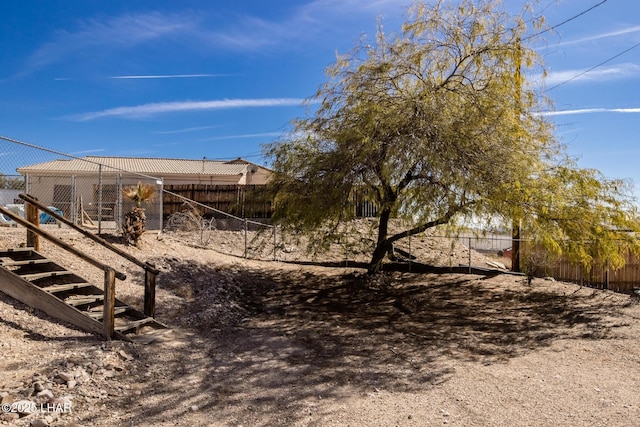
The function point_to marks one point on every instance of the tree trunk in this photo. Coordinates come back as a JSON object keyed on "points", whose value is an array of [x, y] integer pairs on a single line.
{"points": [[134, 226], [382, 245], [375, 265]]}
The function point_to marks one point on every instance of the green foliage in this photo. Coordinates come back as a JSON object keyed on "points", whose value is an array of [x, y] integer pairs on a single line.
{"points": [[11, 183], [140, 193], [439, 124], [580, 214]]}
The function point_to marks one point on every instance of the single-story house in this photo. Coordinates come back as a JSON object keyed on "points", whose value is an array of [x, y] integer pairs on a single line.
{"points": [[91, 187], [171, 171]]}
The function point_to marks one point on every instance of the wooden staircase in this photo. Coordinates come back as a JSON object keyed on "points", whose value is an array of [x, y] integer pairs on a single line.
{"points": [[35, 280]]}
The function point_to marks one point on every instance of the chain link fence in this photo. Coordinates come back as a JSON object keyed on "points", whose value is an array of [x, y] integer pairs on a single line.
{"points": [[92, 195], [204, 226], [495, 251], [487, 249], [86, 192]]}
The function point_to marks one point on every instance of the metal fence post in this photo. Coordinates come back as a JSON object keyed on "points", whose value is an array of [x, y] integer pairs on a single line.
{"points": [[118, 208], [160, 182], [100, 199], [74, 200], [246, 226], [346, 254], [274, 242], [469, 255]]}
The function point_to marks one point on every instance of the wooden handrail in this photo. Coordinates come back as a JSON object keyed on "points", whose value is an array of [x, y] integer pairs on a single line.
{"points": [[58, 242], [150, 271], [147, 266]]}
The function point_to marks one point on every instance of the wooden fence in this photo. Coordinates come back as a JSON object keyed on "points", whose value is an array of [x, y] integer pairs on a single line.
{"points": [[244, 201], [622, 280], [599, 276]]}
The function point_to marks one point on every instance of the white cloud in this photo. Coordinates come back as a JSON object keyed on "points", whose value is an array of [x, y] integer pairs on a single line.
{"points": [[245, 136], [616, 72], [305, 23], [146, 110], [211, 30], [354, 7], [168, 76], [590, 111], [185, 130], [621, 32], [97, 150], [102, 37], [120, 32]]}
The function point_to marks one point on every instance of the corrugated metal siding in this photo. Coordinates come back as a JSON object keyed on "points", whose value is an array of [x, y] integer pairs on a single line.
{"points": [[147, 166]]}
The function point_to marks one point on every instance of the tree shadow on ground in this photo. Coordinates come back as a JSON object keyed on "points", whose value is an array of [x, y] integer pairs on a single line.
{"points": [[298, 337]]}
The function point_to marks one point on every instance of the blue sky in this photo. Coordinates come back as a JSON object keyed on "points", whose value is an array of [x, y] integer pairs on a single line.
{"points": [[216, 79]]}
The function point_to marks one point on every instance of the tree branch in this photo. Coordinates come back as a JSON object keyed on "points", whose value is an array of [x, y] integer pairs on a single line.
{"points": [[427, 225]]}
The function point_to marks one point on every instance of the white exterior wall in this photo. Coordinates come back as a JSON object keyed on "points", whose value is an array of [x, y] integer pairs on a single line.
{"points": [[8, 197]]}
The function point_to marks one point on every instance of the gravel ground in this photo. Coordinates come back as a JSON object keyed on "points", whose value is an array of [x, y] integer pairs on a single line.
{"points": [[264, 343]]}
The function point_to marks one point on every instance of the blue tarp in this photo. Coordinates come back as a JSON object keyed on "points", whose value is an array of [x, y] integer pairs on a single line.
{"points": [[45, 218]]}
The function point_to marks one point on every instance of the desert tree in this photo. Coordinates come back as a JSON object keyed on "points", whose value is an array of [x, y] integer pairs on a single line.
{"points": [[438, 122], [11, 182], [577, 213]]}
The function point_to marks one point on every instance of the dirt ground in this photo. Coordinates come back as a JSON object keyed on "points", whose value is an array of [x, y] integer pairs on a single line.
{"points": [[264, 343]]}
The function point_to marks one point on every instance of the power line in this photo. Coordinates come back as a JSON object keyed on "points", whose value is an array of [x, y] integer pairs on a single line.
{"points": [[594, 67], [565, 21]]}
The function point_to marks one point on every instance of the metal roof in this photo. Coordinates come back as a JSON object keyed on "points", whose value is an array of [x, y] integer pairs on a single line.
{"points": [[156, 167]]}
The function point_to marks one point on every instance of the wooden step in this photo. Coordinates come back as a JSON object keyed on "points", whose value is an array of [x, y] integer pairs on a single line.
{"points": [[134, 324], [13, 263], [84, 300], [66, 287], [97, 315], [35, 276], [79, 303], [14, 250]]}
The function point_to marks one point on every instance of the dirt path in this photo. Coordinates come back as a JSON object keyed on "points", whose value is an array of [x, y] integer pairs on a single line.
{"points": [[271, 344]]}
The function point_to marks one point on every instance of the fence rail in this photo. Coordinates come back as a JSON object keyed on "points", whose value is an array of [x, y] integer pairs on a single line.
{"points": [[622, 280]]}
